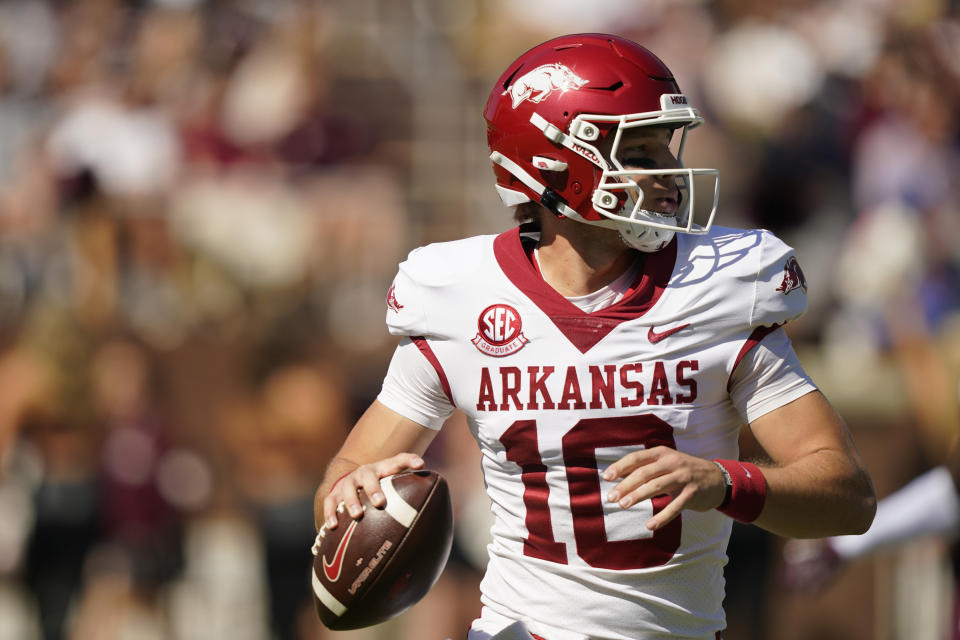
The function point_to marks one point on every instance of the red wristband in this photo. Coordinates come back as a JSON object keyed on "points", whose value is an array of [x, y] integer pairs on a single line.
{"points": [[749, 490]]}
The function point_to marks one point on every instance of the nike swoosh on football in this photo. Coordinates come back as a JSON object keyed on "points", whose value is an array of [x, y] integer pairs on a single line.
{"points": [[332, 569], [656, 336]]}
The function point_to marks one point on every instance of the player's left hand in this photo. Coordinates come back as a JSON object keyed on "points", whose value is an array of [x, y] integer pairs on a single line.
{"points": [[694, 483]]}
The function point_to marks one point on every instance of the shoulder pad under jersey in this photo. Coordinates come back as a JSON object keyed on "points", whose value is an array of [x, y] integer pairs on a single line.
{"points": [[747, 278], [422, 278]]}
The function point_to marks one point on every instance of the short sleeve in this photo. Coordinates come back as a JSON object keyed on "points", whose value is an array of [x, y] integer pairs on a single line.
{"points": [[418, 297], [769, 376], [780, 288], [405, 301], [412, 388]]}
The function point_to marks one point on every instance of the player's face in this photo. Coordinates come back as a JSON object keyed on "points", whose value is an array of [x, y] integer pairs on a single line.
{"points": [[650, 148]]}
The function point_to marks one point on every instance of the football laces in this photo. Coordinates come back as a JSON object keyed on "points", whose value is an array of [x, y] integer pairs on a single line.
{"points": [[322, 533]]}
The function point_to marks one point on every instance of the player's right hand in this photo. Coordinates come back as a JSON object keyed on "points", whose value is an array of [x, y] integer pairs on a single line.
{"points": [[367, 478]]}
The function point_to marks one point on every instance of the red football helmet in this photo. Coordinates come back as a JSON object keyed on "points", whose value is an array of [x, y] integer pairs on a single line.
{"points": [[555, 109]]}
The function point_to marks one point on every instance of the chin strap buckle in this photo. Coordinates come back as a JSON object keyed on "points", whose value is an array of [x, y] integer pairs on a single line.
{"points": [[552, 200]]}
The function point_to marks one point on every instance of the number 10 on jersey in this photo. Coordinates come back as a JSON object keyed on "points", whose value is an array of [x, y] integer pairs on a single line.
{"points": [[586, 501]]}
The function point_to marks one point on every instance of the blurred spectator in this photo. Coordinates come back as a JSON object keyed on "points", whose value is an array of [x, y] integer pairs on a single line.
{"points": [[59, 427], [146, 480], [279, 446]]}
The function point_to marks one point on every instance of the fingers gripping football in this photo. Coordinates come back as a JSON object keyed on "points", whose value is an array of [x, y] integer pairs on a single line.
{"points": [[344, 494], [693, 483], [370, 569]]}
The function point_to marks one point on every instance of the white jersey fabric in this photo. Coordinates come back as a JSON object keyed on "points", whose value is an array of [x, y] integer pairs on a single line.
{"points": [[554, 394]]}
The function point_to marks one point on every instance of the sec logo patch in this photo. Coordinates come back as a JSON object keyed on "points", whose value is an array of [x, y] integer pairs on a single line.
{"points": [[499, 331]]}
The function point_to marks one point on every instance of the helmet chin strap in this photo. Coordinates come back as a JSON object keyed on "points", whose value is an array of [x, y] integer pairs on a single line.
{"points": [[556, 204], [642, 237], [646, 239]]}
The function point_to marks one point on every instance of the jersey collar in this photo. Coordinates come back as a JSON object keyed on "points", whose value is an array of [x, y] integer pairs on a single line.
{"points": [[583, 330]]}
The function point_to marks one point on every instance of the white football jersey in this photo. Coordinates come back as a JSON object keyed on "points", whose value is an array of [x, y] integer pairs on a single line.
{"points": [[553, 395]]}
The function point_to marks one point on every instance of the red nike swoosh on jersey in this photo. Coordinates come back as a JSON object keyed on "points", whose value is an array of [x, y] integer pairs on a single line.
{"points": [[332, 569], [656, 336]]}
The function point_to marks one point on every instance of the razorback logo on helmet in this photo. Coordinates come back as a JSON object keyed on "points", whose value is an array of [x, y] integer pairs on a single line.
{"points": [[499, 331], [536, 85], [793, 277], [392, 303]]}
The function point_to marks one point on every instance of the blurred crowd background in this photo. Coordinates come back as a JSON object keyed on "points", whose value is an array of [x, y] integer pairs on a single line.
{"points": [[203, 202]]}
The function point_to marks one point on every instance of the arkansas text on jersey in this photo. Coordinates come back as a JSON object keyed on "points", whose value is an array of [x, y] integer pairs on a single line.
{"points": [[612, 386]]}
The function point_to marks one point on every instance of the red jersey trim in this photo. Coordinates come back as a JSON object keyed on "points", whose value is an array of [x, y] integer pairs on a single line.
{"points": [[431, 357], [758, 334], [584, 330]]}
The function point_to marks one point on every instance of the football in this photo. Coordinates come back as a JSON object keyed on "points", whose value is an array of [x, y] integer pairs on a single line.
{"points": [[369, 570]]}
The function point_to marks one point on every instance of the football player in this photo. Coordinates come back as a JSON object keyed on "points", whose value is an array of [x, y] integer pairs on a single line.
{"points": [[606, 352]]}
